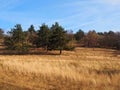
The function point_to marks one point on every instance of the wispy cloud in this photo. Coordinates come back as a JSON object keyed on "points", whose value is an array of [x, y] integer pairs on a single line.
{"points": [[94, 14], [111, 2], [77, 14]]}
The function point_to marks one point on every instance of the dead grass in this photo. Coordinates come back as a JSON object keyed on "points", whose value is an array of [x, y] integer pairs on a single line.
{"points": [[82, 69]]}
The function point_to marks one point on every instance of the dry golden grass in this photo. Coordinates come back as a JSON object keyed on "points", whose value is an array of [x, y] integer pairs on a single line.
{"points": [[82, 69]]}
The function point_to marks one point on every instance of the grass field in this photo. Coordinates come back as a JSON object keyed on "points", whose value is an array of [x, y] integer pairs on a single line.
{"points": [[82, 69]]}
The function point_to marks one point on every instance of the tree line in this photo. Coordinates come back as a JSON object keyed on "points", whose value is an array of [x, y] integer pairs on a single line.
{"points": [[99, 39], [56, 38]]}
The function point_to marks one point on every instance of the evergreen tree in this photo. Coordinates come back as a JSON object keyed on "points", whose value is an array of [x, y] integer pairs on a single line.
{"points": [[57, 37], [43, 36], [79, 35], [1, 33], [16, 40], [31, 35]]}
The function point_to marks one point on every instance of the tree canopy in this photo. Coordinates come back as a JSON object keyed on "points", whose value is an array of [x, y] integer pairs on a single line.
{"points": [[56, 38]]}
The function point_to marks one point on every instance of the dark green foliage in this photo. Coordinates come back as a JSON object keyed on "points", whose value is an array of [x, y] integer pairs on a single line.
{"points": [[8, 41], [31, 29], [57, 38], [16, 40], [25, 48], [79, 35], [69, 48], [43, 37], [17, 34], [1, 34], [31, 35]]}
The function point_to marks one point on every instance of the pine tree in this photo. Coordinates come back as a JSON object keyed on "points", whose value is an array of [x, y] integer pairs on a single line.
{"points": [[57, 37], [16, 40], [79, 35], [31, 35], [43, 36]]}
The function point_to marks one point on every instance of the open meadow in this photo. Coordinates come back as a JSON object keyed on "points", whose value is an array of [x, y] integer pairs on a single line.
{"points": [[82, 69]]}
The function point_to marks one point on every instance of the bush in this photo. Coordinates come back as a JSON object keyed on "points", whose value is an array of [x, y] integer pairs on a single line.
{"points": [[69, 48], [25, 48], [22, 48]]}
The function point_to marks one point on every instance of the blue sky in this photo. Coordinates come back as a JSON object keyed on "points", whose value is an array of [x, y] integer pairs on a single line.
{"points": [[100, 15]]}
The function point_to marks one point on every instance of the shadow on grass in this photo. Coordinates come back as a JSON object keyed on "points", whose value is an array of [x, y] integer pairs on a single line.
{"points": [[12, 52], [6, 86], [113, 51], [116, 53]]}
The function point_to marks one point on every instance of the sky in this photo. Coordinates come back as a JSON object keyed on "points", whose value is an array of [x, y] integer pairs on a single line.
{"points": [[99, 15]]}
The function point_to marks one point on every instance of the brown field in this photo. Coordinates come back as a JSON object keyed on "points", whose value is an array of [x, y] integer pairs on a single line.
{"points": [[82, 69]]}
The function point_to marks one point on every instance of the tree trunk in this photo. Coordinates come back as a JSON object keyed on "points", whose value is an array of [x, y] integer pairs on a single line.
{"points": [[46, 48], [60, 51]]}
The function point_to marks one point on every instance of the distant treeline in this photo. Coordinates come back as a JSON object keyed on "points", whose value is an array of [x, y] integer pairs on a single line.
{"points": [[56, 38]]}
